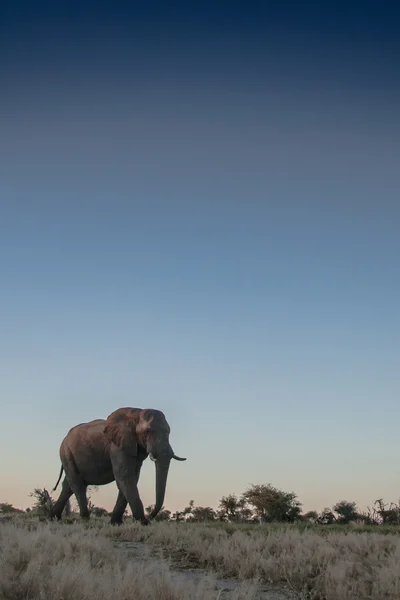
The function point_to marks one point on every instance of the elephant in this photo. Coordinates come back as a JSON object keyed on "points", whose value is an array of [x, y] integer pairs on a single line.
{"points": [[102, 451]]}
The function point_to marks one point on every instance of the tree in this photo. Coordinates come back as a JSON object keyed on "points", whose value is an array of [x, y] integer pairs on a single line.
{"points": [[327, 517], [7, 508], [98, 511], [188, 509], [310, 517], [178, 516], [272, 504], [346, 511], [163, 515], [202, 513], [43, 501], [387, 516], [89, 492], [196, 513], [233, 509], [229, 508]]}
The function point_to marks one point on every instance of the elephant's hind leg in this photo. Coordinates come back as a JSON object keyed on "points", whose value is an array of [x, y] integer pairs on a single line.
{"points": [[77, 484], [61, 503], [80, 493]]}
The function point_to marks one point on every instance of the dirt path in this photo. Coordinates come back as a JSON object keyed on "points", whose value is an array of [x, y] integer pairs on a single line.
{"points": [[140, 551]]}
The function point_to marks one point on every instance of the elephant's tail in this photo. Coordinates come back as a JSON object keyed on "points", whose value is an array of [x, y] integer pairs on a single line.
{"points": [[58, 480]]}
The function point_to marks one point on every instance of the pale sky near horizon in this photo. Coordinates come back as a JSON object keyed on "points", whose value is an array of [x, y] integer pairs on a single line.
{"points": [[208, 226]]}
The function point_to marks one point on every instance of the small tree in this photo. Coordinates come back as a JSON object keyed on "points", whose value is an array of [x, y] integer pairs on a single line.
{"points": [[389, 515], [92, 489], [372, 515], [43, 501], [177, 516], [229, 508], [188, 509], [310, 517], [200, 514], [197, 513], [98, 511], [272, 504], [327, 517], [7, 508], [346, 511], [233, 509], [163, 515]]}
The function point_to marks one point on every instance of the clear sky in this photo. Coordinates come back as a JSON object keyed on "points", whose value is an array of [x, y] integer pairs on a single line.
{"points": [[200, 213]]}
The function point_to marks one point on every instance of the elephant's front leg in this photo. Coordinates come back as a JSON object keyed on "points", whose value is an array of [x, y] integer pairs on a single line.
{"points": [[125, 473], [122, 503], [119, 509]]}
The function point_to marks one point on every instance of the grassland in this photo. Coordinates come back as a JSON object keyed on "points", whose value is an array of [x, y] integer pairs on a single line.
{"points": [[77, 561]]}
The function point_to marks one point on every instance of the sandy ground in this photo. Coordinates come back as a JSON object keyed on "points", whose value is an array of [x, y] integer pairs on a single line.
{"points": [[141, 552]]}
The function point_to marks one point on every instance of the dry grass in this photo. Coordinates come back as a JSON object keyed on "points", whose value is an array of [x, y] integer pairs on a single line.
{"points": [[79, 562], [336, 566], [53, 561]]}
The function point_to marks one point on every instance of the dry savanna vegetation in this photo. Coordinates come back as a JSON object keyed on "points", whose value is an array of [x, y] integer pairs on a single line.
{"points": [[259, 546], [73, 560]]}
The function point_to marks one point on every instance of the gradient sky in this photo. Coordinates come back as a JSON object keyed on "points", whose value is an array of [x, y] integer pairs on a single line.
{"points": [[200, 213]]}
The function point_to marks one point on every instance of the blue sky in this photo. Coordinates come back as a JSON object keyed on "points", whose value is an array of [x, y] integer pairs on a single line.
{"points": [[213, 232]]}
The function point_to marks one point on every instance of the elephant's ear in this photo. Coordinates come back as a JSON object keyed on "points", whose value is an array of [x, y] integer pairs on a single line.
{"points": [[120, 429]]}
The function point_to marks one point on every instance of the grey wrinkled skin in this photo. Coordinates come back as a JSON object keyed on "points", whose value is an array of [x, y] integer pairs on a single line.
{"points": [[102, 451]]}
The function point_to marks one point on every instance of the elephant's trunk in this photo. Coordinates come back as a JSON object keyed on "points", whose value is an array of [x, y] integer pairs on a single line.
{"points": [[162, 468]]}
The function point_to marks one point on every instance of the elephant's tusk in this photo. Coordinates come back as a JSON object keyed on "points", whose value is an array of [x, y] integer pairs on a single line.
{"points": [[177, 457], [152, 457]]}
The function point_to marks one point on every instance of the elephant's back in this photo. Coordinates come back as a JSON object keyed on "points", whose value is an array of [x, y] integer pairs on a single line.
{"points": [[96, 425], [86, 445], [85, 433]]}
